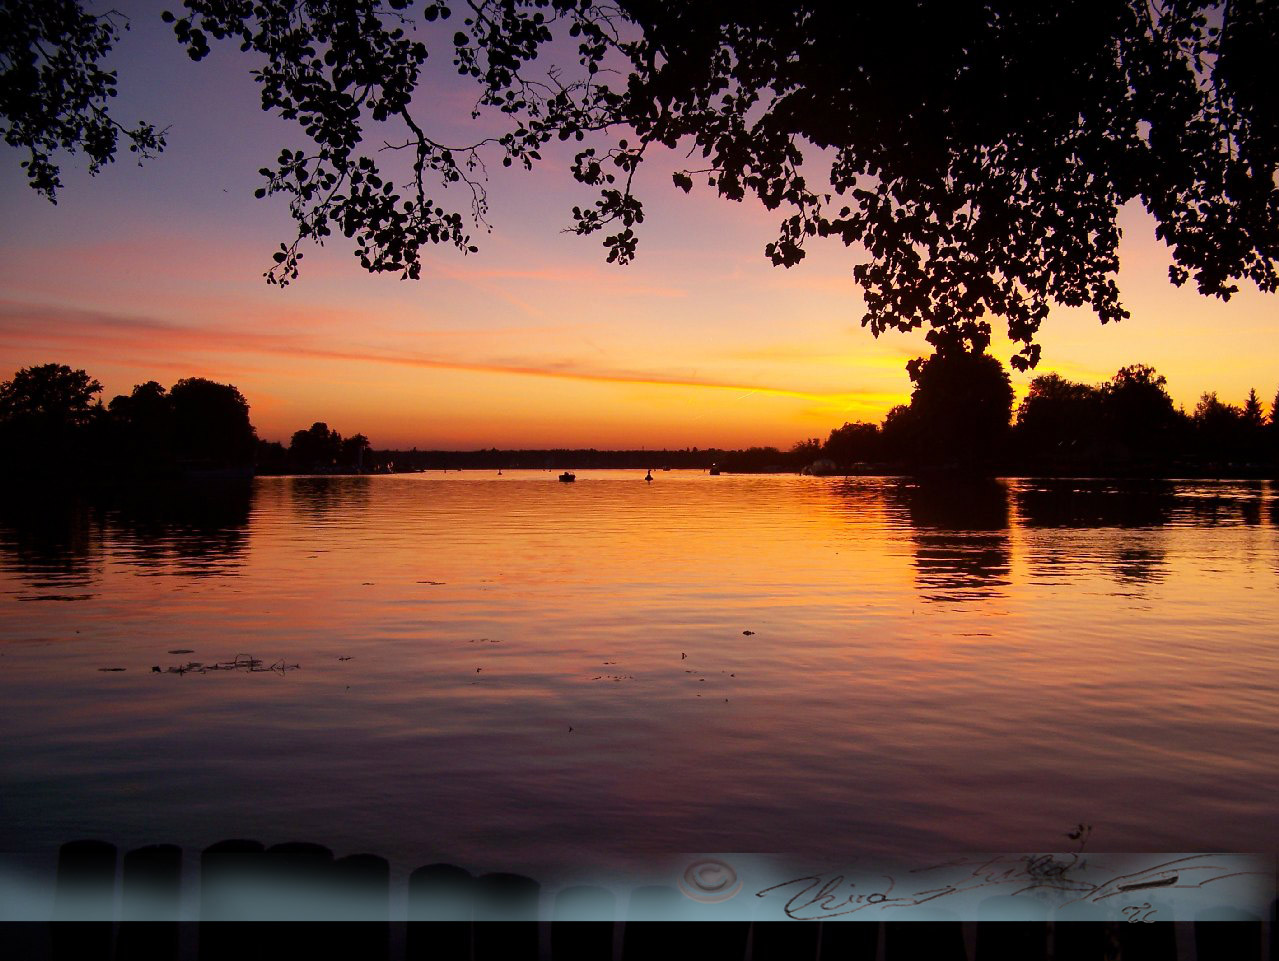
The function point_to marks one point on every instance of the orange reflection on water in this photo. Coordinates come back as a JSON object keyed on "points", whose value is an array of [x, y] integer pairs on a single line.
{"points": [[512, 671]]}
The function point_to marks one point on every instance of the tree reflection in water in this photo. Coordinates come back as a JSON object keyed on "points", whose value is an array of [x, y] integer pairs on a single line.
{"points": [[326, 500], [192, 529], [60, 542], [959, 531], [53, 541], [1113, 526]]}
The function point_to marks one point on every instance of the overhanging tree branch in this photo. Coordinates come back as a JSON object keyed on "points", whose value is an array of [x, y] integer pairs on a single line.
{"points": [[981, 153]]}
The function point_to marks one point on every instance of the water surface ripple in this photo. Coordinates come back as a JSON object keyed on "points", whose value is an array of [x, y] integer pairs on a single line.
{"points": [[513, 673]]}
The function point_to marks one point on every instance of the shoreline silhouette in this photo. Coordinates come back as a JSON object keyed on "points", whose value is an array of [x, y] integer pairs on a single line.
{"points": [[960, 422]]}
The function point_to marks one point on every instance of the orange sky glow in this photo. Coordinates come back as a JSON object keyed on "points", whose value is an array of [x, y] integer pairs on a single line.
{"points": [[156, 273]]}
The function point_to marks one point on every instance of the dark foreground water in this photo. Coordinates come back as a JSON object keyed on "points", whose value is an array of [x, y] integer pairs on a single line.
{"points": [[512, 673]]}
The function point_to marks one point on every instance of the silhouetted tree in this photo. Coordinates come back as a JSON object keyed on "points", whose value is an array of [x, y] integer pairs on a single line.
{"points": [[1271, 441], [271, 458], [805, 452], [1220, 430], [900, 434], [143, 426], [854, 443], [52, 395], [211, 424], [981, 152], [53, 92], [753, 460], [1254, 428], [1252, 413], [147, 402], [1057, 420], [961, 405], [46, 415], [1140, 419], [355, 448], [315, 449]]}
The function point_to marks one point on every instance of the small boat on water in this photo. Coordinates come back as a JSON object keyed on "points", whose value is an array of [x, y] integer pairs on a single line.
{"points": [[568, 477], [714, 471]]}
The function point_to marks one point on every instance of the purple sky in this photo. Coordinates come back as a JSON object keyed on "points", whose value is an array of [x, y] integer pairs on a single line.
{"points": [[156, 273]]}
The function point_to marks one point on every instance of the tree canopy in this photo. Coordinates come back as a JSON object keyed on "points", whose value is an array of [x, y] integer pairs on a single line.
{"points": [[1125, 426], [52, 423], [50, 397], [54, 92], [317, 447], [978, 152], [211, 423], [1059, 415], [961, 406]]}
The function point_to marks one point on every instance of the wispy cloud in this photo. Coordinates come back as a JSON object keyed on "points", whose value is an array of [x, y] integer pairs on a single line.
{"points": [[793, 353], [45, 327], [573, 279]]}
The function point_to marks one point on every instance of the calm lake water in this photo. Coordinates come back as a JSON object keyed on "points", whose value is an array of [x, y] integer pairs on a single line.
{"points": [[513, 673]]}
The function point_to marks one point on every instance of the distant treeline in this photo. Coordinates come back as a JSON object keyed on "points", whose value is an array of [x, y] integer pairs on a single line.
{"points": [[756, 459], [318, 450], [960, 419], [53, 423]]}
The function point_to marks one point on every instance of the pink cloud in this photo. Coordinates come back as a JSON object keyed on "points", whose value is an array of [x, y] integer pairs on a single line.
{"points": [[30, 326]]}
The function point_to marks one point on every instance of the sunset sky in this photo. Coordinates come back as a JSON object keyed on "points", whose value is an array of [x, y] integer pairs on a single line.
{"points": [[156, 273]]}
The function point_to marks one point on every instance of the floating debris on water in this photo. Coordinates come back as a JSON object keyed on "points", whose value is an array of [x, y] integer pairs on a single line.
{"points": [[747, 633], [241, 662], [346, 657], [181, 650], [433, 583], [111, 669], [485, 640]]}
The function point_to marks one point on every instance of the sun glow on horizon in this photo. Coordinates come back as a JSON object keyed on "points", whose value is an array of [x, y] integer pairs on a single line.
{"points": [[156, 273]]}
